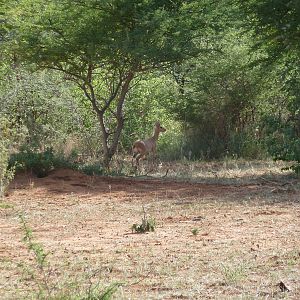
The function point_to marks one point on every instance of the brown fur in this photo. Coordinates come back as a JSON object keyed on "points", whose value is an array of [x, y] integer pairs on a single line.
{"points": [[141, 148]]}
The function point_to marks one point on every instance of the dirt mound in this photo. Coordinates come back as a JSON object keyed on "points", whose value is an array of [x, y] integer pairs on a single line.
{"points": [[62, 181]]}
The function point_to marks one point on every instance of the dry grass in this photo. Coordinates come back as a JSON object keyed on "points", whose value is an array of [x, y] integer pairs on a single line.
{"points": [[247, 221], [224, 172]]}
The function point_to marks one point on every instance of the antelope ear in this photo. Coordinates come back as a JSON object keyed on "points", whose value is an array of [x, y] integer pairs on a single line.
{"points": [[157, 124]]}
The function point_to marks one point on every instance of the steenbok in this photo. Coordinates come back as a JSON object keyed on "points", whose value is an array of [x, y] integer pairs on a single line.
{"points": [[141, 148]]}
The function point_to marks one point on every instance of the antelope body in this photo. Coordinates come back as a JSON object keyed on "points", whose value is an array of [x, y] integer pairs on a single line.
{"points": [[141, 148]]}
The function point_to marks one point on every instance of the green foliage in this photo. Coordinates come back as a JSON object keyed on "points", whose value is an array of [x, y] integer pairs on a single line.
{"points": [[195, 231], [171, 143], [103, 46], [105, 294], [91, 168], [42, 103], [217, 99], [247, 145], [281, 117], [148, 224], [36, 248], [5, 205], [5, 174], [40, 163], [113, 32], [10, 138], [40, 261], [277, 23], [283, 140], [218, 89]]}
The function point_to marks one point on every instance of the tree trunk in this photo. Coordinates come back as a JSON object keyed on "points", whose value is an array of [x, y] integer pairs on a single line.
{"points": [[110, 150], [106, 155]]}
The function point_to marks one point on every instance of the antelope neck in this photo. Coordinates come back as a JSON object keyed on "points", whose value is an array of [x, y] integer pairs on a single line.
{"points": [[156, 134]]}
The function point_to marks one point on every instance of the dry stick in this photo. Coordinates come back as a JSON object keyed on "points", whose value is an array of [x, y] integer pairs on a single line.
{"points": [[165, 174]]}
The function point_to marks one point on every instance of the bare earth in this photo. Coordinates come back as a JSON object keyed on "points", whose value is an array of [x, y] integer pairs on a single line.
{"points": [[212, 241]]}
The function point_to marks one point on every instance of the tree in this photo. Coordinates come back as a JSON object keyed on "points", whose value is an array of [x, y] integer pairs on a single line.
{"points": [[104, 45], [34, 102], [277, 24], [217, 98]]}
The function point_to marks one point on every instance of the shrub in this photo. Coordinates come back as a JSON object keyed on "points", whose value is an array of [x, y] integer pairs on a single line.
{"points": [[91, 168], [40, 163], [283, 140], [148, 224], [10, 138], [5, 174]]}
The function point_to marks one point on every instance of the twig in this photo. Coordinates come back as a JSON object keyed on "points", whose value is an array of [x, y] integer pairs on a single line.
{"points": [[165, 174]]}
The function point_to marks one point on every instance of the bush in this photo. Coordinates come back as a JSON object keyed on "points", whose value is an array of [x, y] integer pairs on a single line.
{"points": [[10, 138], [40, 163], [5, 174], [91, 168], [283, 140], [246, 145], [148, 224]]}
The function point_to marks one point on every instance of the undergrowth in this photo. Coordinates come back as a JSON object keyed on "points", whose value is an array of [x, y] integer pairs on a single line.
{"points": [[10, 138]]}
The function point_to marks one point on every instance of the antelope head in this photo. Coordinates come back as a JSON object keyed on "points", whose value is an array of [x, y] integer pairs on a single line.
{"points": [[159, 128]]}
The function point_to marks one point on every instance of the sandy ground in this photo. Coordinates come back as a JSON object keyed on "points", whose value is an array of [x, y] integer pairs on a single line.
{"points": [[212, 241]]}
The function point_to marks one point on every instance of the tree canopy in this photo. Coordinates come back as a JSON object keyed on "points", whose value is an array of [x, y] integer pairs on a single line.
{"points": [[102, 45], [223, 74]]}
